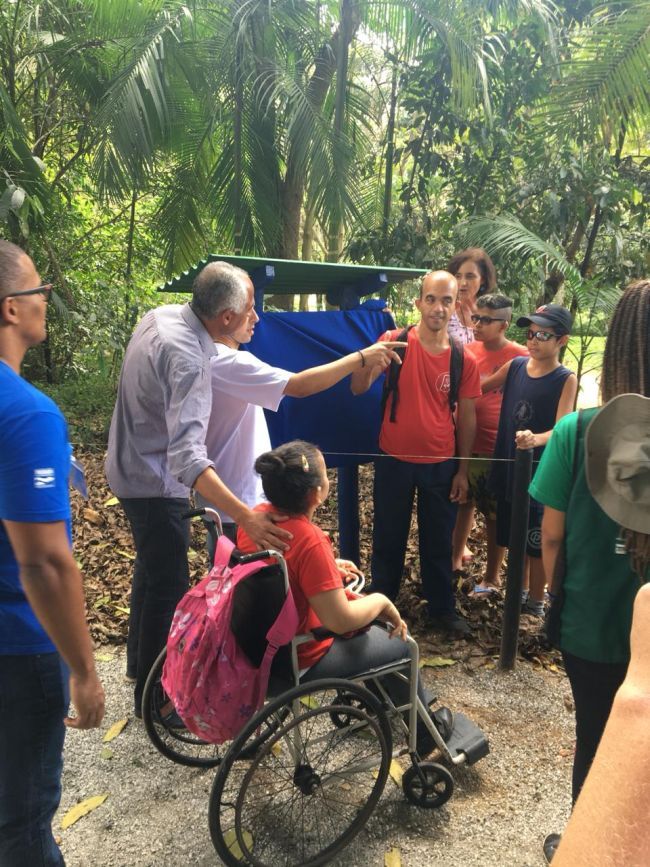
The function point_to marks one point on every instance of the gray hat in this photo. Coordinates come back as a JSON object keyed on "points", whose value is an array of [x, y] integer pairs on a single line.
{"points": [[617, 448]]}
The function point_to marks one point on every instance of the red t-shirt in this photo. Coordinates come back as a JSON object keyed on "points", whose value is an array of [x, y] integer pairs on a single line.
{"points": [[312, 570], [423, 431], [488, 406]]}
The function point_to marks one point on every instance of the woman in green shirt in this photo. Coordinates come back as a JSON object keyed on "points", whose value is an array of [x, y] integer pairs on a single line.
{"points": [[599, 585]]}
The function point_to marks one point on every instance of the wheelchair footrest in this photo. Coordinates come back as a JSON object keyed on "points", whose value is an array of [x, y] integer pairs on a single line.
{"points": [[467, 738]]}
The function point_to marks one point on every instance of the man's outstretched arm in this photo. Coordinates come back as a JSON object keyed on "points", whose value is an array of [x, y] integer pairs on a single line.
{"points": [[374, 358]]}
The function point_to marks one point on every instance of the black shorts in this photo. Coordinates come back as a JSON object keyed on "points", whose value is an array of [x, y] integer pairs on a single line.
{"points": [[534, 536]]}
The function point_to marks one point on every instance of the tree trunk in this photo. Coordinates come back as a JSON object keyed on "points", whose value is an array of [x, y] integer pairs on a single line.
{"points": [[390, 151], [348, 26], [293, 188], [237, 141]]}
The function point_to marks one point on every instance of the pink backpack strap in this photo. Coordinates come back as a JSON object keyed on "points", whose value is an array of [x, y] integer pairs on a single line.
{"points": [[281, 633], [223, 552], [286, 624]]}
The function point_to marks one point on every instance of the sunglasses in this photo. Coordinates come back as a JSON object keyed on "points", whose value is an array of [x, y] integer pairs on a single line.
{"points": [[485, 320], [44, 291], [542, 336]]}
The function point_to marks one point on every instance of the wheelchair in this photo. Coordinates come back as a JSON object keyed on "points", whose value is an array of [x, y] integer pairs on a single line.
{"points": [[303, 776]]}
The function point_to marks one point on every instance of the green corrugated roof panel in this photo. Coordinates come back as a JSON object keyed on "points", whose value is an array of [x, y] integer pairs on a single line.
{"points": [[301, 278]]}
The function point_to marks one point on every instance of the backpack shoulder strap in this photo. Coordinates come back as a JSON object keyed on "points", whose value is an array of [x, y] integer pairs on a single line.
{"points": [[223, 552], [391, 379], [456, 363]]}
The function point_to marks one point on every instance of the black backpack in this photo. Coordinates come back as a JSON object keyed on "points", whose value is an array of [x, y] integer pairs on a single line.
{"points": [[391, 381]]}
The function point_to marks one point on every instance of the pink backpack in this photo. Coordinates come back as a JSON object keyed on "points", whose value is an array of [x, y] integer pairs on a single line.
{"points": [[224, 635]]}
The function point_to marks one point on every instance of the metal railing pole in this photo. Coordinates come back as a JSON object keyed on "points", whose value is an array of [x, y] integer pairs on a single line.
{"points": [[516, 558]]}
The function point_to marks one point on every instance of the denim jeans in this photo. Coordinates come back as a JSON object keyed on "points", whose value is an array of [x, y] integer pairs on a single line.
{"points": [[34, 699], [160, 578], [395, 485]]}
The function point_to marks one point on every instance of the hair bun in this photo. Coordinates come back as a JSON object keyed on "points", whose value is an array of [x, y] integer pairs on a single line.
{"points": [[270, 462]]}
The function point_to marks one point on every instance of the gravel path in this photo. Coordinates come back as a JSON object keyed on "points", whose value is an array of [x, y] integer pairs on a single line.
{"points": [[156, 812]]}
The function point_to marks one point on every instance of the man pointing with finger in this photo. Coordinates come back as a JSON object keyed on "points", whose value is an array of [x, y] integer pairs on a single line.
{"points": [[243, 386], [157, 449]]}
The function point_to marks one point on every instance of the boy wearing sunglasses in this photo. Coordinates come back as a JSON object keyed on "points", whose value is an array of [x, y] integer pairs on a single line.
{"points": [[537, 392], [491, 349]]}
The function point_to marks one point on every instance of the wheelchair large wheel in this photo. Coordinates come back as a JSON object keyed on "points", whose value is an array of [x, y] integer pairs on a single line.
{"points": [[161, 723], [307, 790]]}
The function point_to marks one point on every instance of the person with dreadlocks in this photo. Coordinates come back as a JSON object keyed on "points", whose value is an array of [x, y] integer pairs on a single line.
{"points": [[594, 482]]}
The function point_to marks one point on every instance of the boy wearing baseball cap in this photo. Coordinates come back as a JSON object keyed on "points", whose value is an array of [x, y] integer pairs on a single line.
{"points": [[537, 392]]}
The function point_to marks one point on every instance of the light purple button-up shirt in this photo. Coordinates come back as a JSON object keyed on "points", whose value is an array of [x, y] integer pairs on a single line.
{"points": [[156, 445]]}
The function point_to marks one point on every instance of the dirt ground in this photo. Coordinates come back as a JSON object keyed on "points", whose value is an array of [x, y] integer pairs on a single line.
{"points": [[155, 812], [501, 810]]}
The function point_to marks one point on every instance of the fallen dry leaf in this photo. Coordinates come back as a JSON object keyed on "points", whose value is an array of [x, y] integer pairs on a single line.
{"points": [[396, 772], [435, 661], [392, 858], [230, 839], [115, 730], [83, 808], [126, 554], [93, 516]]}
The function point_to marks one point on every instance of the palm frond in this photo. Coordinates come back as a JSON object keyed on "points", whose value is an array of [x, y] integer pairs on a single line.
{"points": [[506, 235], [607, 81]]}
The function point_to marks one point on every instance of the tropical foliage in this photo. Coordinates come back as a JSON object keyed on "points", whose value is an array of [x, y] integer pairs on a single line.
{"points": [[135, 137]]}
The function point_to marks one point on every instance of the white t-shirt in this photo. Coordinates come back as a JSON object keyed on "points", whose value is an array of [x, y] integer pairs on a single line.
{"points": [[242, 387]]}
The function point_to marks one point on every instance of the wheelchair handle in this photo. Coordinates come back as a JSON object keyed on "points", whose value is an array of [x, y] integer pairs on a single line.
{"points": [[212, 519], [242, 559]]}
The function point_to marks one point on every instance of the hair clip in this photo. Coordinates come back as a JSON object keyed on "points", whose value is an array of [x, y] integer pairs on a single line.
{"points": [[305, 463]]}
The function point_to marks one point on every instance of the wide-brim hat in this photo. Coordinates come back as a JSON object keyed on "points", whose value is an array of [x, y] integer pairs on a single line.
{"points": [[617, 462]]}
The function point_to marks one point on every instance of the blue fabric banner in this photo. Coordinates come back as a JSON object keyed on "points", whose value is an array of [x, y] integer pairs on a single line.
{"points": [[335, 420]]}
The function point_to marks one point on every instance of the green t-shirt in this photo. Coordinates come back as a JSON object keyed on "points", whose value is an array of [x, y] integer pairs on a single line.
{"points": [[599, 585]]}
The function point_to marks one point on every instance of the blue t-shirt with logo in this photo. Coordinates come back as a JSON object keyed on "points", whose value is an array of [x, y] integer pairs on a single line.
{"points": [[34, 471]]}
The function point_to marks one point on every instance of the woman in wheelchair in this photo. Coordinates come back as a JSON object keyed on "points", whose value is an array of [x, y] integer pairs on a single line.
{"points": [[294, 480]]}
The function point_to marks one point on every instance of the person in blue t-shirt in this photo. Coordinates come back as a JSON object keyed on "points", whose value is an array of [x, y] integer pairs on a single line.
{"points": [[46, 654]]}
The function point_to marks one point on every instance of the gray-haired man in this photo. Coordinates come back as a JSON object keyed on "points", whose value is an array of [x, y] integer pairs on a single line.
{"points": [[157, 453]]}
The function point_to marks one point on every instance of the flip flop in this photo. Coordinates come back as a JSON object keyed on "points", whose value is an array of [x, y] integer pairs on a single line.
{"points": [[487, 590]]}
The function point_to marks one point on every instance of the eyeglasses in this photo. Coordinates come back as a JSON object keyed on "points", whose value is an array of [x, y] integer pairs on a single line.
{"points": [[44, 291], [542, 336], [485, 320]]}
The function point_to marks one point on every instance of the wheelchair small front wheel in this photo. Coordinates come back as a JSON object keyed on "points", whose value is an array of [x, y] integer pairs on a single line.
{"points": [[427, 785]]}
